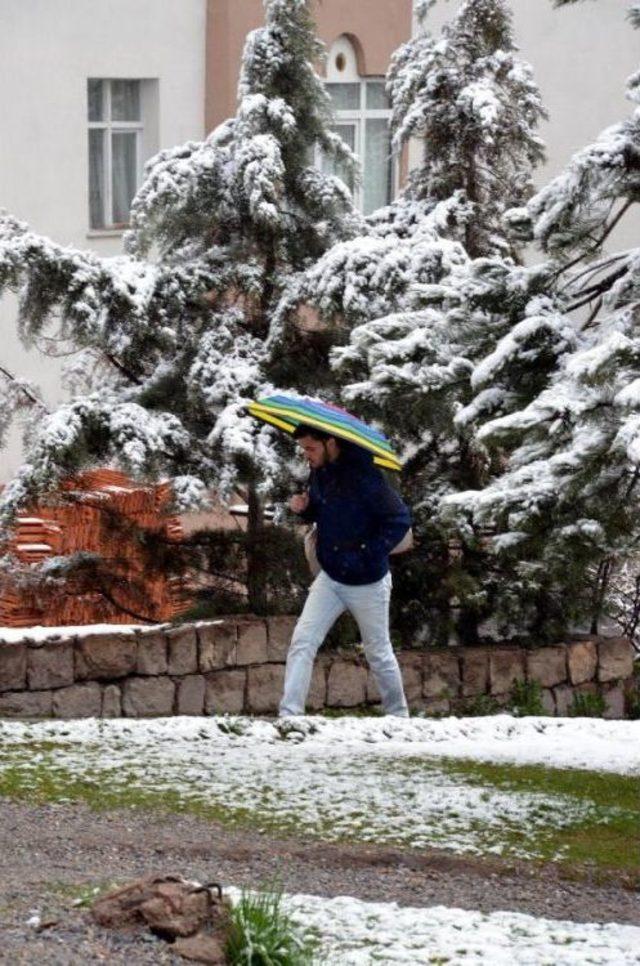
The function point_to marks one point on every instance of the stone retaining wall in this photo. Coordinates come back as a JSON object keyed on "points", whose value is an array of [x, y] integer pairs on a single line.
{"points": [[236, 665]]}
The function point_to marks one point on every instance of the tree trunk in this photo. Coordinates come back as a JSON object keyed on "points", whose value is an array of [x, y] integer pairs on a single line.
{"points": [[256, 573]]}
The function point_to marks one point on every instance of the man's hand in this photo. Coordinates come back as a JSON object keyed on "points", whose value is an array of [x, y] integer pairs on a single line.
{"points": [[299, 502]]}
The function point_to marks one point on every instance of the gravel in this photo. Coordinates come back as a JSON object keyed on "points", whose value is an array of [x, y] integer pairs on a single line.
{"points": [[47, 851]]}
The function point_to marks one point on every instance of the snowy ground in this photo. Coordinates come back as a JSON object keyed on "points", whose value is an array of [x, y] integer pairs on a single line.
{"points": [[355, 933], [379, 780]]}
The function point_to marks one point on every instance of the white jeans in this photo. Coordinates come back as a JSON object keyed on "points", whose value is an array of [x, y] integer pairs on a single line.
{"points": [[369, 604]]}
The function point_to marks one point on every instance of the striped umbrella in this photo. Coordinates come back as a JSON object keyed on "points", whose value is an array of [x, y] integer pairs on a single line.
{"points": [[288, 412]]}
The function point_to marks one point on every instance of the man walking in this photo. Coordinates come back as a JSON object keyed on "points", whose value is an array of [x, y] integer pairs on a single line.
{"points": [[359, 520]]}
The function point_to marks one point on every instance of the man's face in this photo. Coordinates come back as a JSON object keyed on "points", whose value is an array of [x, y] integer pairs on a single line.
{"points": [[316, 452]]}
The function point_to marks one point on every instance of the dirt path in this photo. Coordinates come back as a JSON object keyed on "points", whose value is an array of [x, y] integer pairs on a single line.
{"points": [[48, 850]]}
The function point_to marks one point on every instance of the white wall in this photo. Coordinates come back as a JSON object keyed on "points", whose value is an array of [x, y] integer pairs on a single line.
{"points": [[581, 56], [48, 49]]}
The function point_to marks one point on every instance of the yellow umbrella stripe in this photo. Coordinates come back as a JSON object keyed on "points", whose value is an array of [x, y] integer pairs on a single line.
{"points": [[388, 464], [268, 418], [262, 413]]}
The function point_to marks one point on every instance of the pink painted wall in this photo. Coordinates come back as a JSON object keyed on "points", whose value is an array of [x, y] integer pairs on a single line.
{"points": [[376, 28]]}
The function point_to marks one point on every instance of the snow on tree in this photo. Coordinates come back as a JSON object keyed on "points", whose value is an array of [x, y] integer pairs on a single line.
{"points": [[474, 106], [477, 163], [172, 336], [566, 508], [435, 284]]}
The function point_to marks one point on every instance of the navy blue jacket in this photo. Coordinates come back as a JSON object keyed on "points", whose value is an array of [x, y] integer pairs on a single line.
{"points": [[359, 517]]}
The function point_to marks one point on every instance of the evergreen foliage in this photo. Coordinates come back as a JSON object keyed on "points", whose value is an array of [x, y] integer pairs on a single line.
{"points": [[565, 509], [432, 290]]}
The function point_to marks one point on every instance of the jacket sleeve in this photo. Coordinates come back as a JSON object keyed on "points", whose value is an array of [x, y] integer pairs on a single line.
{"points": [[389, 511]]}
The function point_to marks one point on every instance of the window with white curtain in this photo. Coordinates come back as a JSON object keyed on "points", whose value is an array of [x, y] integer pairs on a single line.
{"points": [[116, 132], [362, 116], [362, 120]]}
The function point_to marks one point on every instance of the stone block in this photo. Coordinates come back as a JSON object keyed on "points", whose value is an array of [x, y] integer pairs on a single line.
{"points": [[217, 644], [547, 665], [505, 668], [411, 670], [13, 666], [615, 658], [252, 642], [148, 697], [25, 704], [182, 652], [50, 666], [111, 702], [152, 653], [563, 696], [264, 688], [317, 696], [441, 674], [582, 660], [548, 701], [614, 701], [475, 671], [279, 633], [589, 687], [103, 656], [190, 694], [346, 684], [78, 701], [224, 692]]}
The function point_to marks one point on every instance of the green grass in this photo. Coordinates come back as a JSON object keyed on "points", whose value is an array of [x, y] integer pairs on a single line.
{"points": [[260, 933], [526, 698], [47, 782], [610, 845], [587, 706]]}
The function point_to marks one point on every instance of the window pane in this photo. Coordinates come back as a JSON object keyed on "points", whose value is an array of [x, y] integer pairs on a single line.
{"points": [[123, 181], [377, 166], [345, 97], [377, 98], [96, 178], [330, 166], [95, 98], [125, 100]]}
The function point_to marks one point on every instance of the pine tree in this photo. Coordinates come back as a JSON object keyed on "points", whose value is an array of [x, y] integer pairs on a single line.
{"points": [[434, 286], [474, 106], [171, 338], [566, 508]]}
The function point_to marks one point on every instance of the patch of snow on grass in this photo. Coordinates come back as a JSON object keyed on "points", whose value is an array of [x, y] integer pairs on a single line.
{"points": [[356, 933], [375, 780]]}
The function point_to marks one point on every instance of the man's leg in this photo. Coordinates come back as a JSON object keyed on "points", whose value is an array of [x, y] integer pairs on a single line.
{"points": [[369, 604], [321, 610]]}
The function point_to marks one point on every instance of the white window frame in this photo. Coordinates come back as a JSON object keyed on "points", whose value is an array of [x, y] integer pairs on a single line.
{"points": [[359, 118], [114, 127]]}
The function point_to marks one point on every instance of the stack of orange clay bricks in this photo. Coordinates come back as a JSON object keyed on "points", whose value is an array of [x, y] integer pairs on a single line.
{"points": [[102, 499]]}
